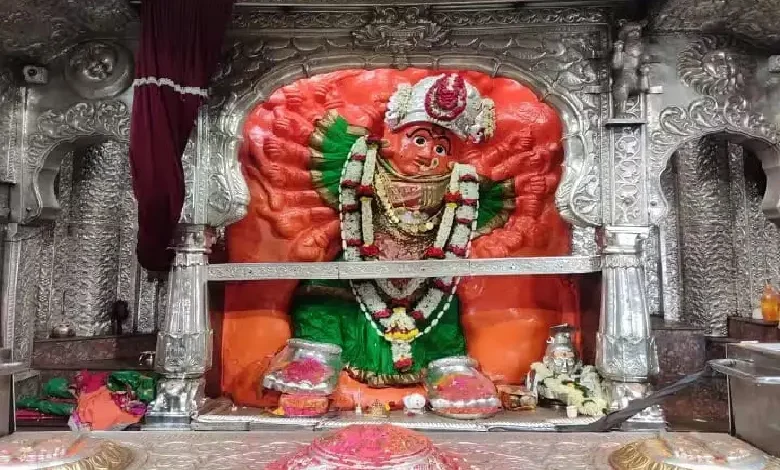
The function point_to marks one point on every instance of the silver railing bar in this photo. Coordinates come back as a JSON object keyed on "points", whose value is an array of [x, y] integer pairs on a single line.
{"points": [[405, 269]]}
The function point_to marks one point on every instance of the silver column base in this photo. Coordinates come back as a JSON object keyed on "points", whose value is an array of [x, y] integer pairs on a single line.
{"points": [[177, 402], [622, 393]]}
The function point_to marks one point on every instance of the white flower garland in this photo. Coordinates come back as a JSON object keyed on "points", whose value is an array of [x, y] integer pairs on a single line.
{"points": [[453, 240], [583, 390]]}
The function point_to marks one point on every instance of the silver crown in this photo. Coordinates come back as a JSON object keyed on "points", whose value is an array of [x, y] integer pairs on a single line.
{"points": [[446, 100]]}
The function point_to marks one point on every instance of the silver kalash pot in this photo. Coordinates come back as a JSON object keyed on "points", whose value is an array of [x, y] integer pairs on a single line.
{"points": [[561, 357]]}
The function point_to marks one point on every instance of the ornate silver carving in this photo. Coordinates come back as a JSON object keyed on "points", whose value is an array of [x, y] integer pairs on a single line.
{"points": [[184, 343], [583, 241], [192, 171], [702, 117], [709, 67], [627, 176], [58, 132], [755, 20], [246, 18], [31, 245], [99, 69], [228, 195], [400, 30], [705, 224], [10, 120], [41, 27], [405, 269], [629, 69], [507, 17], [626, 349], [747, 297], [90, 260]]}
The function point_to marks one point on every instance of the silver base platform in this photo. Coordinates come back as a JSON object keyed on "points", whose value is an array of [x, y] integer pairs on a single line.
{"points": [[221, 415]]}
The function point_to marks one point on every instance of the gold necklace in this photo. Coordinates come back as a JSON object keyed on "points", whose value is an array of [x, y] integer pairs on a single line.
{"points": [[394, 214]]}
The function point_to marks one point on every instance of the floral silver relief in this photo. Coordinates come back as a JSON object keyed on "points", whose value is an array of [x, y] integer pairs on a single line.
{"points": [[652, 267], [99, 69], [109, 120], [627, 179], [704, 116], [709, 66], [755, 20]]}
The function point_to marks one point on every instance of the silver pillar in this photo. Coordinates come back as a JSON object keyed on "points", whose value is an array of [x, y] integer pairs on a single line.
{"points": [[184, 342], [626, 352]]}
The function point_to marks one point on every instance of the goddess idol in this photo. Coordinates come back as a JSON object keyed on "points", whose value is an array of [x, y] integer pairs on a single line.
{"points": [[412, 178]]}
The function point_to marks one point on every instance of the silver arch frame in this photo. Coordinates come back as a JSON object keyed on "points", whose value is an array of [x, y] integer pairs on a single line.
{"points": [[580, 156]]}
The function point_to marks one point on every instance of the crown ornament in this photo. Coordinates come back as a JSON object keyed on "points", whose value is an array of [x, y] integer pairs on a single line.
{"points": [[446, 100]]}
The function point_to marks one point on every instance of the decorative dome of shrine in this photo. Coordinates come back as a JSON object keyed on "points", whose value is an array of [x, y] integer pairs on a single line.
{"points": [[370, 447]]}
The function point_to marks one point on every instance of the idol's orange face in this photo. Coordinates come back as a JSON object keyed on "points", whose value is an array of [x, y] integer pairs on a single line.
{"points": [[421, 149]]}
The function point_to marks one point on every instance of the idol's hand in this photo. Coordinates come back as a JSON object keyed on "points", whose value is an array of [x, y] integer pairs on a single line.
{"points": [[535, 185], [530, 206], [521, 141]]}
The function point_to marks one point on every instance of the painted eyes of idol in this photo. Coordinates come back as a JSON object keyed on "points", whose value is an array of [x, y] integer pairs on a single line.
{"points": [[421, 141]]}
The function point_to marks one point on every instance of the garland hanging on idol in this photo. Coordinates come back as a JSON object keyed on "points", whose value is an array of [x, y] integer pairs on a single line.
{"points": [[397, 320]]}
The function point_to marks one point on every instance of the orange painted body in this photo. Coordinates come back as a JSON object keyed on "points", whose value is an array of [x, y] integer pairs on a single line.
{"points": [[506, 319]]}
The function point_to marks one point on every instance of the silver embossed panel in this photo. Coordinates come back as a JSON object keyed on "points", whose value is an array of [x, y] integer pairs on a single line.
{"points": [[88, 258], [718, 250]]}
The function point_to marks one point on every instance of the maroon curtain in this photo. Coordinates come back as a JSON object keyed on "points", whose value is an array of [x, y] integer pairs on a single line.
{"points": [[178, 52]]}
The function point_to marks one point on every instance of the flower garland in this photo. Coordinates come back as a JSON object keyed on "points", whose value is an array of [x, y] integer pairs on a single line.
{"points": [[583, 390], [397, 322]]}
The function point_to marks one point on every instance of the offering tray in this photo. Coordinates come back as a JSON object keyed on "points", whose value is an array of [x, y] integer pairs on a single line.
{"points": [[687, 451], [67, 452], [379, 447]]}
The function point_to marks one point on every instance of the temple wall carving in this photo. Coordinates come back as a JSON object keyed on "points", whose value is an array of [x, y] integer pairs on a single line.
{"points": [[705, 183]]}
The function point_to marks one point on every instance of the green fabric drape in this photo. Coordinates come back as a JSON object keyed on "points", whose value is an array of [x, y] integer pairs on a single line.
{"points": [[45, 406], [327, 319], [143, 386]]}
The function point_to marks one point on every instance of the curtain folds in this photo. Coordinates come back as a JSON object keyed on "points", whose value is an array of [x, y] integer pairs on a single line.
{"points": [[179, 50]]}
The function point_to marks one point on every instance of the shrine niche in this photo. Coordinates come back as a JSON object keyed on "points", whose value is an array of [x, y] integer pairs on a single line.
{"points": [[506, 145]]}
